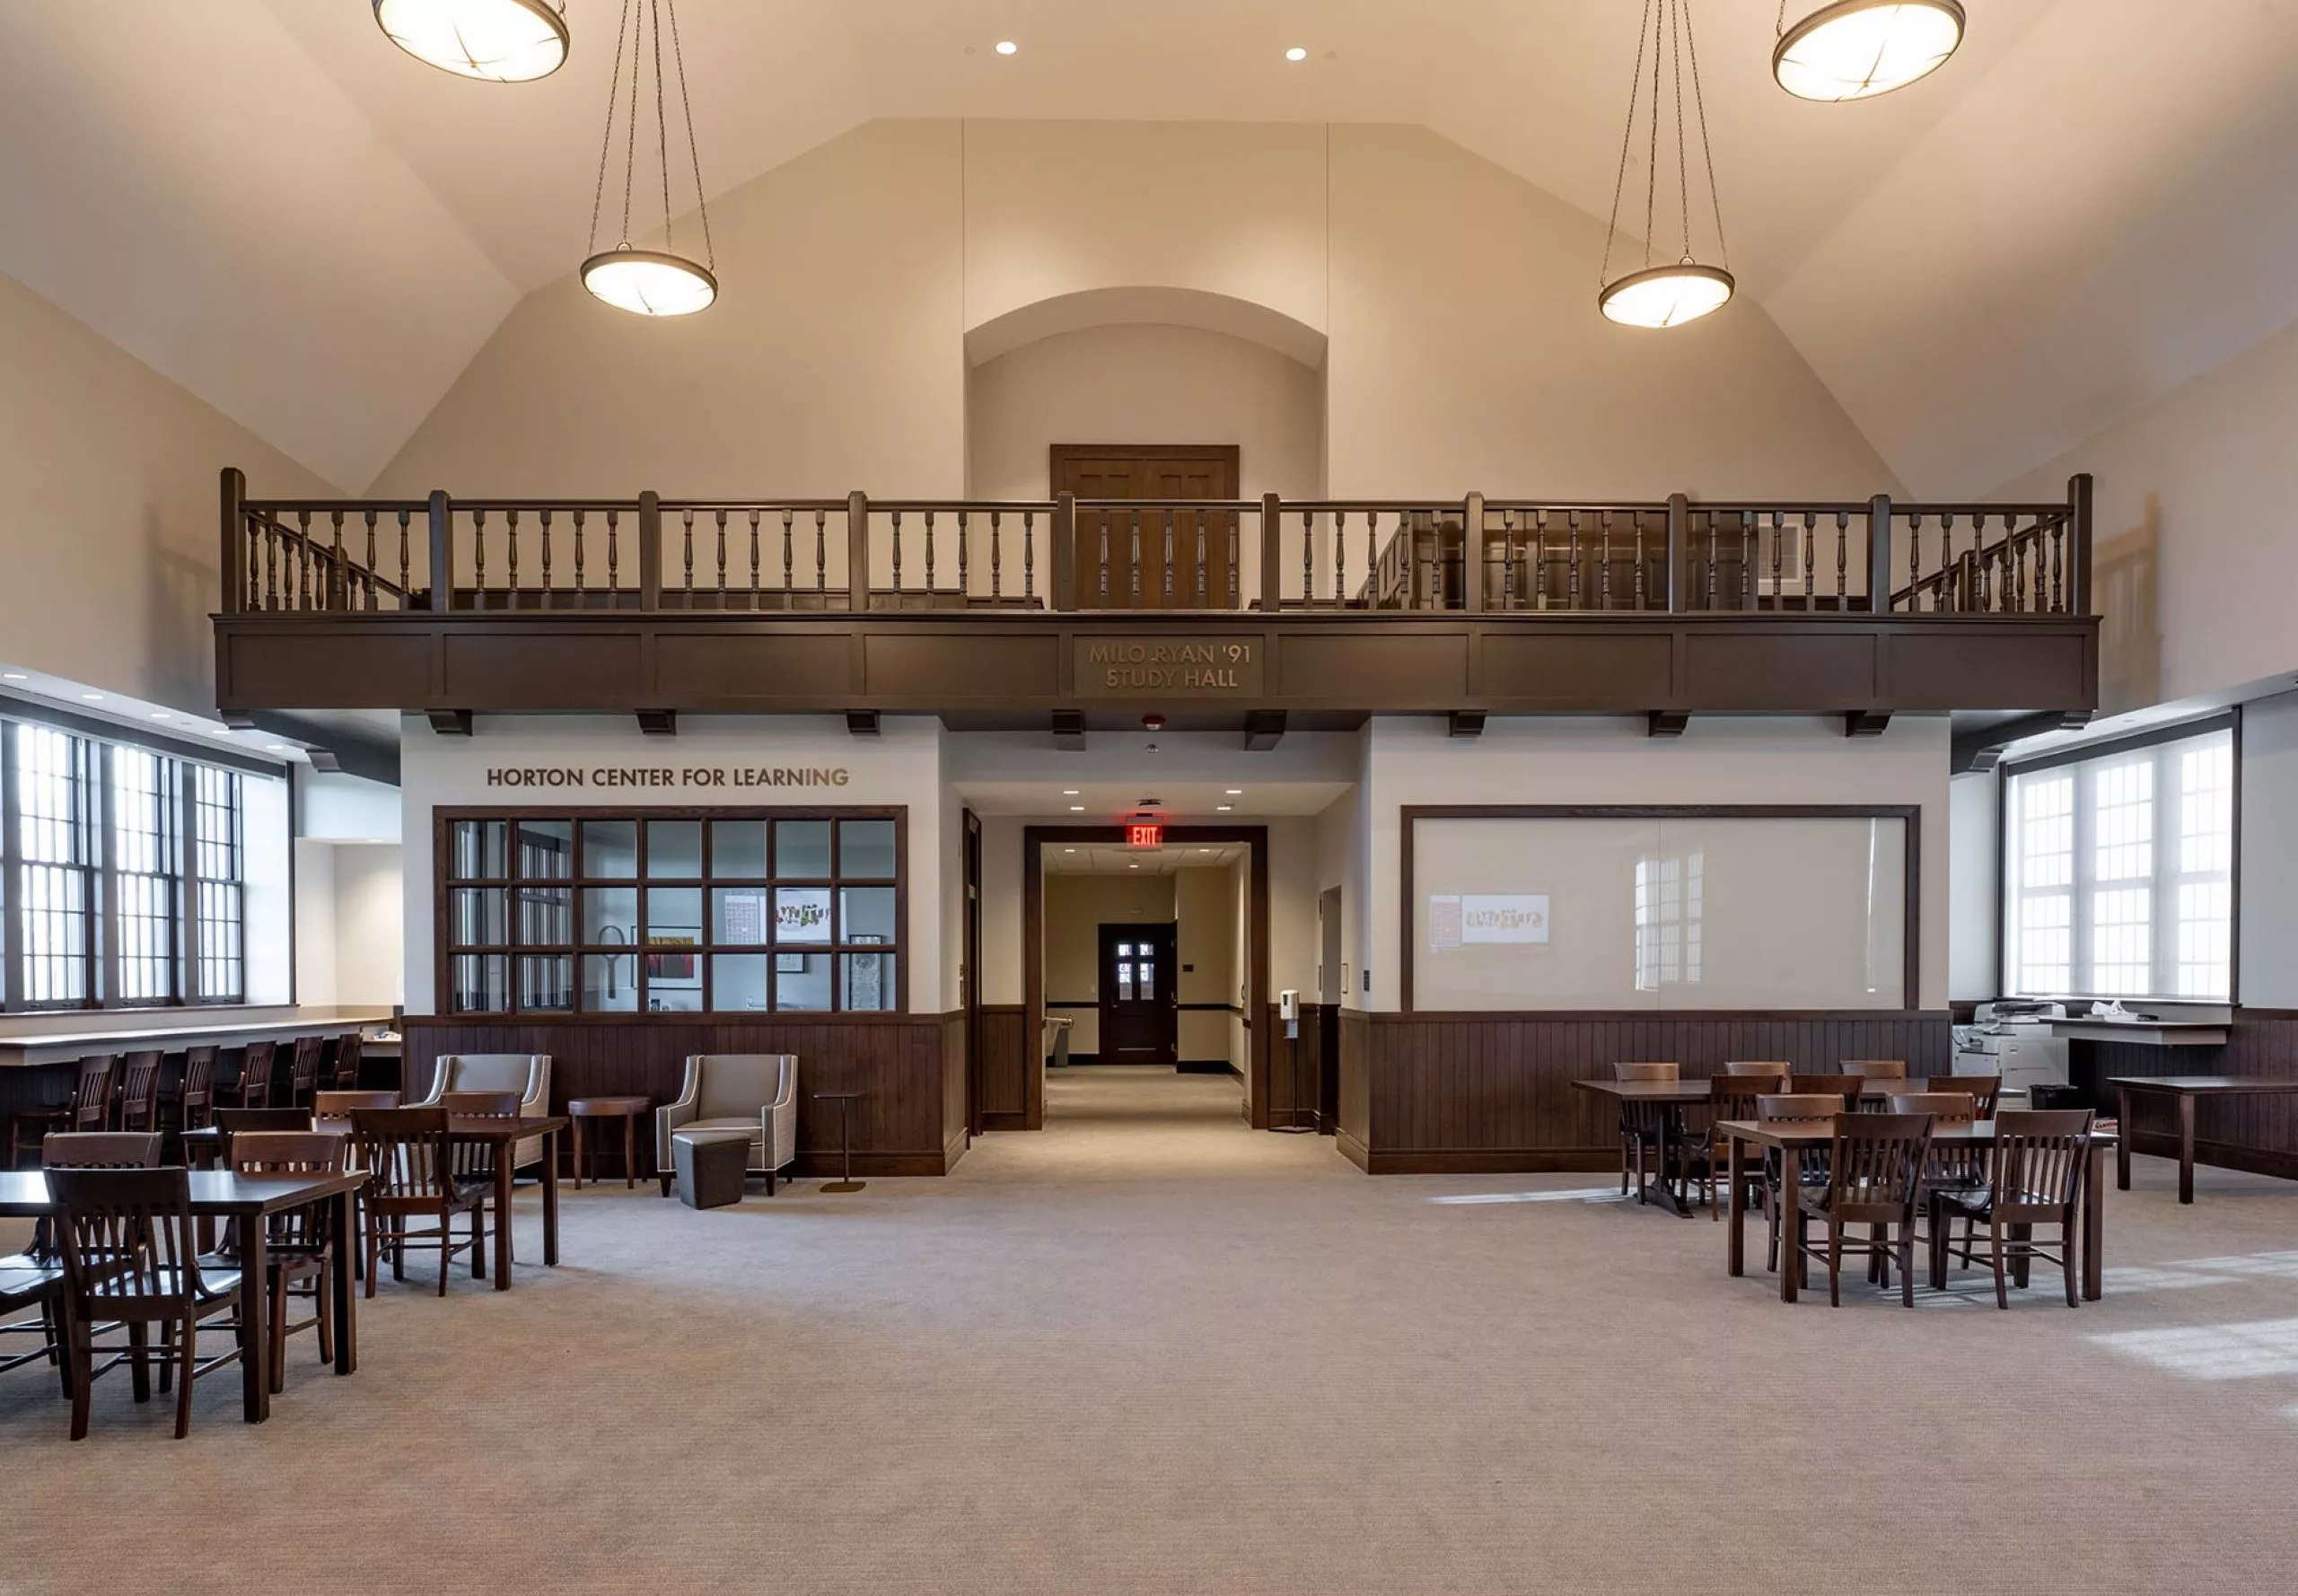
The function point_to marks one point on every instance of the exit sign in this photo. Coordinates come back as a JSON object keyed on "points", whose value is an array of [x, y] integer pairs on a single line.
{"points": [[1144, 837]]}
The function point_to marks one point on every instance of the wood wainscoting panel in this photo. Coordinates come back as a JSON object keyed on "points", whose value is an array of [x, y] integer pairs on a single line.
{"points": [[717, 665], [1610, 668], [956, 1134], [1755, 666], [962, 667], [1003, 1073], [1472, 1093], [898, 1061], [1426, 670], [2257, 1133], [1972, 667], [555, 670], [364, 668]]}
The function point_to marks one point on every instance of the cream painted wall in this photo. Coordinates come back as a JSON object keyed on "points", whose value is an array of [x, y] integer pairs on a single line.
{"points": [[2266, 955], [369, 893], [1205, 906], [1720, 759], [1144, 384], [111, 509], [1076, 907], [2194, 533]]}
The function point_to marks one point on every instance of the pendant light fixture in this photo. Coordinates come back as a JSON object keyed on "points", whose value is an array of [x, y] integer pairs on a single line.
{"points": [[1661, 294], [649, 281], [1855, 49], [502, 41]]}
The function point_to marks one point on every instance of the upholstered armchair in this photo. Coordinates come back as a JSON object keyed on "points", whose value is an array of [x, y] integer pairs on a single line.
{"points": [[752, 1091], [526, 1073]]}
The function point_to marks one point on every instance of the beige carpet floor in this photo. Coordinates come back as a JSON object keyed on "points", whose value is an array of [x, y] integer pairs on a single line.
{"points": [[1150, 1351]]}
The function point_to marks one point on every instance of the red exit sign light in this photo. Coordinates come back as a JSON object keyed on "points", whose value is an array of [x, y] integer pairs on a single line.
{"points": [[1144, 837]]}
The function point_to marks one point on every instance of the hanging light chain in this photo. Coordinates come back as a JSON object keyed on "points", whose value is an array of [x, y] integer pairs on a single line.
{"points": [[1652, 157], [1706, 151], [662, 128], [1626, 138], [606, 143], [1676, 20], [693, 149], [630, 141], [1664, 31]]}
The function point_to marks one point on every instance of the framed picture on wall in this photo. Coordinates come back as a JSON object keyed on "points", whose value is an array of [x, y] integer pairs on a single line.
{"points": [[667, 968], [802, 915], [789, 964]]}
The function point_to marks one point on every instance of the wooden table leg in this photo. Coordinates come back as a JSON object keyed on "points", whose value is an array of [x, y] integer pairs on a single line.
{"points": [[550, 1199], [1791, 1222], [2094, 1223], [629, 1153], [1736, 1243], [2186, 1147], [255, 1322], [2122, 1141], [339, 1283], [574, 1129], [503, 1158]]}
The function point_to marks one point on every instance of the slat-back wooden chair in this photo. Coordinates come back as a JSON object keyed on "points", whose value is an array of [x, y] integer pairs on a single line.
{"points": [[88, 1107], [2038, 1163], [1759, 1067], [1845, 1087], [1874, 1178], [1983, 1091], [139, 1091], [300, 1243], [190, 1103], [35, 1276], [343, 1062], [1638, 1127], [1732, 1096], [129, 1256], [1797, 1108], [1874, 1069], [411, 1175], [303, 1070], [253, 1088]]}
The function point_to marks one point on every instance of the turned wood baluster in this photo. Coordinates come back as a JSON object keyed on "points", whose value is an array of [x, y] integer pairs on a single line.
{"points": [[965, 537], [1811, 559], [478, 559], [1103, 520], [1639, 559], [1372, 549], [580, 585], [1339, 563], [1842, 561], [1710, 541], [402, 559], [1914, 562], [754, 553], [896, 541], [686, 528], [821, 557], [1197, 516], [1169, 557], [511, 537], [929, 559], [331, 596], [789, 563], [997, 554], [614, 528], [1507, 559], [1229, 523], [1308, 561], [1134, 585], [544, 516], [719, 516], [368, 572]]}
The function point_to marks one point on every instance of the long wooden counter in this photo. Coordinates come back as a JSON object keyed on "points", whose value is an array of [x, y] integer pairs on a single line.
{"points": [[82, 1032]]}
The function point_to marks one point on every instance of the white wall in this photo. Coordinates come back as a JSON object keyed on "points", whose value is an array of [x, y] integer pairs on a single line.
{"points": [[1768, 759], [1204, 909], [1144, 384], [1974, 894], [370, 887], [900, 765], [269, 896], [2266, 954], [112, 510]]}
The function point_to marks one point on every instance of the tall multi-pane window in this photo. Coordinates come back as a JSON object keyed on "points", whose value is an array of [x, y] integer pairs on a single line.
{"points": [[120, 880], [2119, 872]]}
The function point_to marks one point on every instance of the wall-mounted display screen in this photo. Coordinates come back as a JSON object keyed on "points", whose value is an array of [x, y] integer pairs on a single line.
{"points": [[1653, 909]]}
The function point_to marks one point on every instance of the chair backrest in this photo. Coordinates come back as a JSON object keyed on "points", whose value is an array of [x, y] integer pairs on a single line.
{"points": [[126, 1237], [92, 1092], [287, 1153], [139, 1089], [339, 1105], [1982, 1090], [2039, 1159], [496, 1105], [1734, 1097], [1645, 1072], [1750, 1068], [198, 1094], [255, 1073], [303, 1068], [739, 1085], [1954, 1107], [1846, 1088], [1799, 1106], [343, 1062], [1875, 1069], [513, 1073], [100, 1149], [1877, 1160], [407, 1149], [234, 1122]]}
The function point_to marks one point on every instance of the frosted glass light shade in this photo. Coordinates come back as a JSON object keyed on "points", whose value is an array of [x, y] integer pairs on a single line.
{"points": [[648, 283], [1666, 295], [502, 41], [1855, 49]]}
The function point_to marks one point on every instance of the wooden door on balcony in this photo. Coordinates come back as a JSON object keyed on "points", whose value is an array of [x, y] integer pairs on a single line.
{"points": [[1127, 581]]}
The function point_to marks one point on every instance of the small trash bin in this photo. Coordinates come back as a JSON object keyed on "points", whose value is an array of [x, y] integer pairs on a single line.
{"points": [[2049, 1095]]}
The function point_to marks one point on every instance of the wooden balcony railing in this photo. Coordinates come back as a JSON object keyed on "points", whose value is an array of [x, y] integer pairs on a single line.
{"points": [[855, 555]]}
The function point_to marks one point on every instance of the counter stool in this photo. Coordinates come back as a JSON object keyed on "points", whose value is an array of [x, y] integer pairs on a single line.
{"points": [[626, 1108], [710, 1165]]}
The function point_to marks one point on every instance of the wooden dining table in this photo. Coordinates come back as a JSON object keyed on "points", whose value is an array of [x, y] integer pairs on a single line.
{"points": [[497, 1133], [2185, 1090], [1795, 1134], [219, 1194], [1657, 1105]]}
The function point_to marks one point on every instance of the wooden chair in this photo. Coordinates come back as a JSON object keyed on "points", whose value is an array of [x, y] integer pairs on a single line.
{"points": [[1847, 1087], [303, 1070], [1982, 1090], [1638, 1132], [138, 1096], [299, 1243], [35, 1276], [336, 1108], [88, 1107], [343, 1062], [1746, 1067], [1732, 1097], [1952, 1166], [2037, 1161], [1875, 1069], [190, 1103], [100, 1149], [1874, 1178], [1808, 1107], [128, 1255], [253, 1088], [412, 1176]]}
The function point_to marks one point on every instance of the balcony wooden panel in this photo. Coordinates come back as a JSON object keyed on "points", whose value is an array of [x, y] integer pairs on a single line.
{"points": [[1574, 668], [361, 668], [961, 666], [762, 670], [520, 666], [1789, 666], [1363, 665], [1982, 665]]}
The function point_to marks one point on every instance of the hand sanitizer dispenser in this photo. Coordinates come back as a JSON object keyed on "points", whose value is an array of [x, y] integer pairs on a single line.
{"points": [[1288, 1009]]}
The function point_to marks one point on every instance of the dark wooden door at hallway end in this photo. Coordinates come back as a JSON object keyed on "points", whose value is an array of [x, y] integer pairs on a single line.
{"points": [[1140, 1019], [1122, 559]]}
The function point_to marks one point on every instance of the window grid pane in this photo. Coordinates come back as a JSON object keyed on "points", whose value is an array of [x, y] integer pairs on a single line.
{"points": [[143, 787], [219, 853], [57, 843]]}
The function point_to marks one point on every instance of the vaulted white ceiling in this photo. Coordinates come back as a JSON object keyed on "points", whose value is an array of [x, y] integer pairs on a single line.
{"points": [[265, 202]]}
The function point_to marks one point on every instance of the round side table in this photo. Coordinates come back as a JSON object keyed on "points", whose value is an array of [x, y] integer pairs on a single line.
{"points": [[626, 1108]]}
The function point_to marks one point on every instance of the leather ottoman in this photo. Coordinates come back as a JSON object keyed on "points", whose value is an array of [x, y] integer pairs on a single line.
{"points": [[710, 1166]]}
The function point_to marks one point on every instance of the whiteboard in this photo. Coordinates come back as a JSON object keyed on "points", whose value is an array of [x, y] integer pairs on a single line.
{"points": [[1659, 912]]}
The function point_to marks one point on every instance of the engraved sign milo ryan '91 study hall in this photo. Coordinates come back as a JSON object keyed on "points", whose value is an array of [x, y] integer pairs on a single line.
{"points": [[1169, 667]]}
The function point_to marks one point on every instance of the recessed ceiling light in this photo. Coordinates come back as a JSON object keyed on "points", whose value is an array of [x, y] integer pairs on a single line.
{"points": [[91, 698], [159, 715], [1069, 850], [1296, 53], [1006, 47], [14, 676], [1133, 867], [1236, 792], [1077, 809], [275, 748], [1069, 792], [1224, 808]]}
